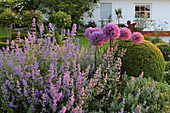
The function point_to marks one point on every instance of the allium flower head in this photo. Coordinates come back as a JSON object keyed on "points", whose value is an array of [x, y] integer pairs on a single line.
{"points": [[111, 31], [90, 30], [125, 33], [97, 38], [137, 38]]}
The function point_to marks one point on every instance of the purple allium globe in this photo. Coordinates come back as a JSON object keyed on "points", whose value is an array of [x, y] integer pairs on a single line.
{"points": [[97, 38], [137, 38], [90, 30], [111, 31], [125, 33]]}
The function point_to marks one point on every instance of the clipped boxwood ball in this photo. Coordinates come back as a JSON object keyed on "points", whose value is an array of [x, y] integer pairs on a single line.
{"points": [[146, 58]]}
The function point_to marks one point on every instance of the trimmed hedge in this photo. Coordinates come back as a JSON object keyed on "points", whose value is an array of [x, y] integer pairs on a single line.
{"points": [[165, 49], [146, 58]]}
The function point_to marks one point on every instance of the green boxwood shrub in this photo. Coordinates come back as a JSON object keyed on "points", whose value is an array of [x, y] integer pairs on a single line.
{"points": [[165, 49], [146, 58], [157, 40]]}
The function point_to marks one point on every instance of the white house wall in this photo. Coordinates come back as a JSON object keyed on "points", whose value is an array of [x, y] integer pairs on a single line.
{"points": [[160, 10]]}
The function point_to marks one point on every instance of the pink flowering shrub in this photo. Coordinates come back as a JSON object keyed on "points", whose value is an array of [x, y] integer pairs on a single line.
{"points": [[60, 19], [137, 38], [8, 17], [27, 16]]}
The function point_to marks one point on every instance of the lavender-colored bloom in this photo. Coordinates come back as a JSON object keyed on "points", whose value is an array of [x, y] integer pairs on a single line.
{"points": [[147, 108], [139, 108], [97, 38], [123, 102], [125, 33], [138, 94], [137, 38], [157, 94], [122, 110], [111, 31], [90, 30], [144, 104]]}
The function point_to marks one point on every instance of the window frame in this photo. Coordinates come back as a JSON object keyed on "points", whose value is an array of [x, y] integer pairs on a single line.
{"points": [[105, 19], [143, 4]]}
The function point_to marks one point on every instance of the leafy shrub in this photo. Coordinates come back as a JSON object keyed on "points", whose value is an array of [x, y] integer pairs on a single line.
{"points": [[27, 17], [60, 19], [8, 17], [167, 66], [167, 77], [91, 23], [146, 57], [140, 95], [121, 25], [147, 37], [2, 9], [157, 40], [165, 49]]}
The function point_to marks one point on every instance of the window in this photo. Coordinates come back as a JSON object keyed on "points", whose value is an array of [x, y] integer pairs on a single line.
{"points": [[105, 10], [143, 10]]}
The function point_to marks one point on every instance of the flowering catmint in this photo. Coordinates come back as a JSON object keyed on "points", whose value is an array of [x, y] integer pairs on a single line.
{"points": [[125, 33], [97, 38], [137, 38], [73, 30], [139, 108], [123, 102], [111, 31], [139, 92], [41, 30]]}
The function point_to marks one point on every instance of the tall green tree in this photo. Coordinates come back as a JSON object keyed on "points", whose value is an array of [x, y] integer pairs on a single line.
{"points": [[76, 8]]}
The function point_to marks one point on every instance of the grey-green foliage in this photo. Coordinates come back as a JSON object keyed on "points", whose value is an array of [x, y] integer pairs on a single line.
{"points": [[140, 95]]}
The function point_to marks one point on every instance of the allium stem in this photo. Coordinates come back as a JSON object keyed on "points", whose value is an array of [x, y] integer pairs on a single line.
{"points": [[96, 57], [110, 45], [122, 43]]}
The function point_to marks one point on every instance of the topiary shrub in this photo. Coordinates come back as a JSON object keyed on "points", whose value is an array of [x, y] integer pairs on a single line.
{"points": [[165, 49], [146, 58]]}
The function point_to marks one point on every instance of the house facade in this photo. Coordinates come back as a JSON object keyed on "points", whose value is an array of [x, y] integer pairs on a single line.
{"points": [[131, 10]]}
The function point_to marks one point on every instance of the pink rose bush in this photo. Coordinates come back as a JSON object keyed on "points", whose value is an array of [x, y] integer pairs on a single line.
{"points": [[60, 19]]}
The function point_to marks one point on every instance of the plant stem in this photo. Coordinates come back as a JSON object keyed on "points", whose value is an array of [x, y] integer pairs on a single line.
{"points": [[96, 57], [122, 43], [110, 45]]}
